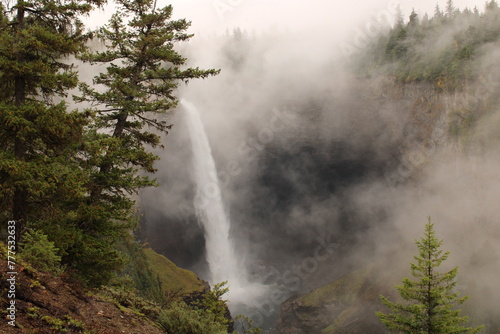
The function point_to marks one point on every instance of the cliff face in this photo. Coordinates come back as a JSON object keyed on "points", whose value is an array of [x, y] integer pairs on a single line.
{"points": [[344, 306], [432, 127]]}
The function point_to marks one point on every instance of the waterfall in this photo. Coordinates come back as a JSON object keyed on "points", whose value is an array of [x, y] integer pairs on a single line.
{"points": [[220, 252], [209, 206]]}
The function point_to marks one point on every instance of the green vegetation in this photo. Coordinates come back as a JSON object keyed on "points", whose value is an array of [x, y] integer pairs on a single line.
{"points": [[431, 298], [174, 280], [207, 314], [60, 325], [70, 175], [40, 252], [138, 273], [441, 50], [246, 325], [39, 137], [449, 52], [179, 318], [345, 290], [63, 325], [129, 300], [182, 303], [153, 276], [212, 304]]}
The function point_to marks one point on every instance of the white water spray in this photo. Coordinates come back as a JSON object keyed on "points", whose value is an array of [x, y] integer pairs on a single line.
{"points": [[220, 253], [209, 205]]}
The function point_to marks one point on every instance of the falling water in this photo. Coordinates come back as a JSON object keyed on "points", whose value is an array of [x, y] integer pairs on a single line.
{"points": [[210, 212], [209, 205]]}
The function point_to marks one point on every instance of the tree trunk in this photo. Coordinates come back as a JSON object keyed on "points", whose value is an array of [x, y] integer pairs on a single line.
{"points": [[121, 121], [105, 168]]}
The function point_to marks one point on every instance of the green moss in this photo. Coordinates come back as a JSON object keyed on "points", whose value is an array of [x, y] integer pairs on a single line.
{"points": [[55, 323], [173, 279], [73, 322], [341, 321], [346, 290], [35, 284], [153, 276], [60, 325], [33, 312]]}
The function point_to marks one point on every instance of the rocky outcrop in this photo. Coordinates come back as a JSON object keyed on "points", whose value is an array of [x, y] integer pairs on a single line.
{"points": [[346, 306]]}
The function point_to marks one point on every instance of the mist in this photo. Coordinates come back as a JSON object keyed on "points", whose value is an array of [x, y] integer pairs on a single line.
{"points": [[315, 159]]}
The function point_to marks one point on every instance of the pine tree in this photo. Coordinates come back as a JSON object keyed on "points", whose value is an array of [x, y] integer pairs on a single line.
{"points": [[137, 87], [399, 17], [450, 8], [38, 136], [430, 298], [140, 80], [425, 20], [413, 21], [438, 14], [491, 6]]}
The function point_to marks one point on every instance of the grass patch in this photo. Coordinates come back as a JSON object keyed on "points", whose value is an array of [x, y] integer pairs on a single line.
{"points": [[345, 290], [173, 279]]}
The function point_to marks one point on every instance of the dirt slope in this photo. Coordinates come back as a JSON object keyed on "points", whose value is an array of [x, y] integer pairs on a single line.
{"points": [[48, 304]]}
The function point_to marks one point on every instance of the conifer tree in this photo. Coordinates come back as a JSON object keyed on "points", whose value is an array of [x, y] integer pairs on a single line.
{"points": [[136, 88], [37, 135], [399, 17], [430, 298], [413, 21], [139, 84], [492, 5], [438, 14], [425, 20], [450, 8]]}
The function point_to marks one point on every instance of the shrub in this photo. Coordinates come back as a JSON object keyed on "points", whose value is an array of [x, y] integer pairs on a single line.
{"points": [[40, 252], [179, 318]]}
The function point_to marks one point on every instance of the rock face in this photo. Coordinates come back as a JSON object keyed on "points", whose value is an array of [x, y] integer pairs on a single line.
{"points": [[346, 306], [419, 118]]}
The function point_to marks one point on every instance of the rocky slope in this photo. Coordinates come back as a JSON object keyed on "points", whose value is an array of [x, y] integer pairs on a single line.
{"points": [[48, 304]]}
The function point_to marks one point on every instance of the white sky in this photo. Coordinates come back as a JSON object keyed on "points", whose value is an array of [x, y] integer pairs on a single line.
{"points": [[210, 16]]}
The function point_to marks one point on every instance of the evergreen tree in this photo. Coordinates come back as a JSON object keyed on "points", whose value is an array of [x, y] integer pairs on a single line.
{"points": [[467, 12], [38, 136], [396, 46], [425, 20], [450, 8], [438, 14], [138, 85], [431, 298], [413, 21], [491, 6], [399, 17]]}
